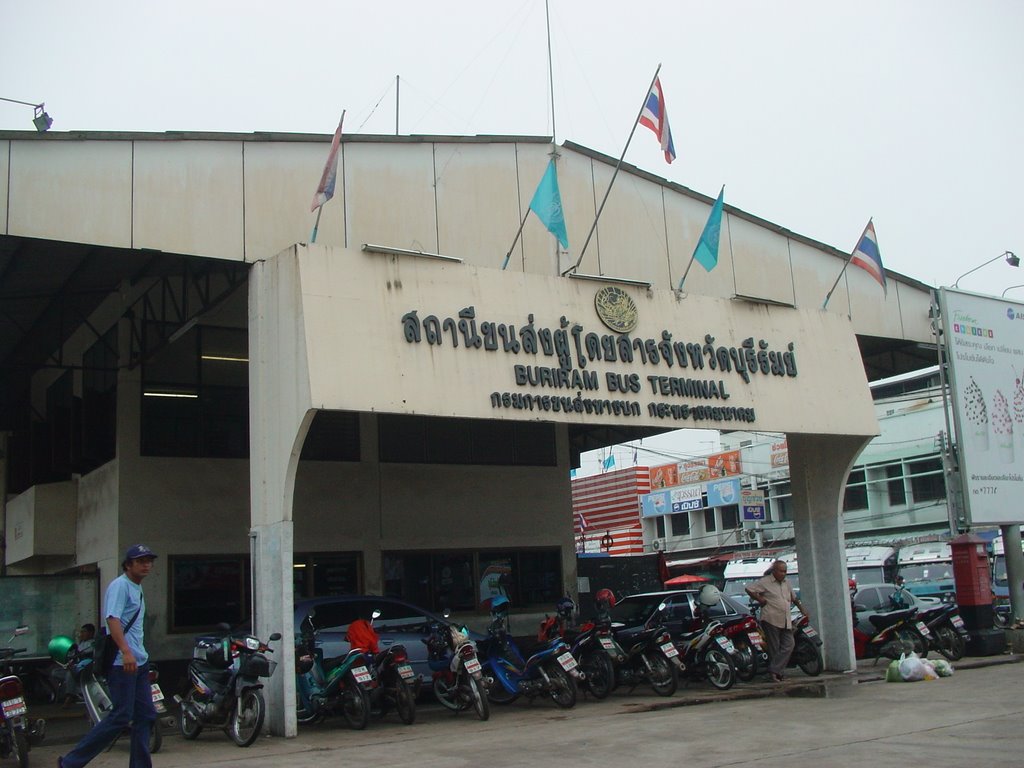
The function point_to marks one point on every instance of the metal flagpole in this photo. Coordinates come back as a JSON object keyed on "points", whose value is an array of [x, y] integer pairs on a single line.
{"points": [[618, 165], [843, 271], [694, 254], [397, 86]]}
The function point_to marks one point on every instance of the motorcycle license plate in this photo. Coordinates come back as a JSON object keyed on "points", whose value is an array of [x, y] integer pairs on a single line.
{"points": [[727, 645], [923, 629], [14, 707], [157, 694], [669, 649], [811, 632], [567, 661], [362, 675], [606, 643], [755, 640], [406, 672], [472, 666], [957, 622]]}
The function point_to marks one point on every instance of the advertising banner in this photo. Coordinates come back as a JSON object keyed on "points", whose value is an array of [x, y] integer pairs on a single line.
{"points": [[724, 464], [656, 504], [722, 493], [687, 498], [752, 506], [664, 476], [984, 338], [695, 471]]}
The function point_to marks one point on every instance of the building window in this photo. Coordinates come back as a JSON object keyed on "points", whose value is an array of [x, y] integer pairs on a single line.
{"points": [[730, 517], [856, 495], [926, 480], [333, 436], [467, 580], [709, 520], [434, 440], [320, 575], [680, 524], [782, 502], [207, 590], [894, 484], [659, 527], [195, 395]]}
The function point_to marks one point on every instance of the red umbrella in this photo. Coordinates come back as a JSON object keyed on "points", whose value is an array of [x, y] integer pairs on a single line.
{"points": [[686, 578]]}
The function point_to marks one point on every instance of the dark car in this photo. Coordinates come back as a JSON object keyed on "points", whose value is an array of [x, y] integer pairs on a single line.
{"points": [[678, 617], [873, 599], [399, 622]]}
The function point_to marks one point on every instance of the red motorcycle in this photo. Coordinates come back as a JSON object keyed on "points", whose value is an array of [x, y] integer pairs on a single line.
{"points": [[17, 732]]}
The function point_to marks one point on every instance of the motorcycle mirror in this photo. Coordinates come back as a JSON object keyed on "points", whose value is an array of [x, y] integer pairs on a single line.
{"points": [[22, 630], [859, 607], [375, 614], [446, 613], [275, 637]]}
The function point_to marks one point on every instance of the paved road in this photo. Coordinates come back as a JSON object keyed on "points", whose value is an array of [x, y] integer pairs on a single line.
{"points": [[974, 717]]}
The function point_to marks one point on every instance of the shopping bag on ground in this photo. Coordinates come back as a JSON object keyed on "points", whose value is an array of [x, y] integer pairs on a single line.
{"points": [[942, 668], [911, 668], [892, 674]]}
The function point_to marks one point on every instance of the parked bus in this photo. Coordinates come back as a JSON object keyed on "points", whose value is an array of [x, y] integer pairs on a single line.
{"points": [[1000, 584], [871, 565], [927, 568]]}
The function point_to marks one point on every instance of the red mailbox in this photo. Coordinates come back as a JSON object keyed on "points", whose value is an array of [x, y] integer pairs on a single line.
{"points": [[973, 585]]}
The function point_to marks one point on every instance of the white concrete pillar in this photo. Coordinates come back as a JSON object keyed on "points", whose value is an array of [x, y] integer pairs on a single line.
{"points": [[279, 417], [819, 466]]}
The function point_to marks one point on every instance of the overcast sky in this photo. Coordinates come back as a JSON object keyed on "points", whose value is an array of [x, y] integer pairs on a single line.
{"points": [[816, 116]]}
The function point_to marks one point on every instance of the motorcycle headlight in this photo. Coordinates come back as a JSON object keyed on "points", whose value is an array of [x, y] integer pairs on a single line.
{"points": [[252, 643]]}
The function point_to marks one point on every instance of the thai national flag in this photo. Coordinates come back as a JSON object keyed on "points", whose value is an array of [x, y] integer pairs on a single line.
{"points": [[866, 255], [655, 117], [325, 191], [583, 521]]}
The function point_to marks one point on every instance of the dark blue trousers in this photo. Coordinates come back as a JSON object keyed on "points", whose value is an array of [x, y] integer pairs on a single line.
{"points": [[133, 703]]}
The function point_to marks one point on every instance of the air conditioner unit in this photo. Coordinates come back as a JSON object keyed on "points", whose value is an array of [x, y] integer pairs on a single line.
{"points": [[658, 544], [748, 534]]}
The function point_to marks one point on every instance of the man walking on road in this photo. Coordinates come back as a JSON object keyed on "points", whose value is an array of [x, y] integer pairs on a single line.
{"points": [[128, 680], [775, 596]]}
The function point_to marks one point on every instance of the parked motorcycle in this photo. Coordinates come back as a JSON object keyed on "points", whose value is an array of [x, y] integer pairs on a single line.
{"points": [[948, 634], [37, 683], [648, 656], [889, 635], [458, 679], [326, 686], [550, 671], [806, 647], [591, 644], [708, 654], [226, 691], [94, 691], [751, 654], [17, 732], [393, 676]]}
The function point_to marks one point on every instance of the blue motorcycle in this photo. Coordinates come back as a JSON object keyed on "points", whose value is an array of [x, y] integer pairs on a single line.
{"points": [[550, 671]]}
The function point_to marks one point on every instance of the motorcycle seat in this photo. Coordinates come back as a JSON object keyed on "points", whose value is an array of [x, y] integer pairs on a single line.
{"points": [[883, 620]]}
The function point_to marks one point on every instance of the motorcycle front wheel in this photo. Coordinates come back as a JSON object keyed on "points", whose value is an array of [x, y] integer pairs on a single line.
{"points": [[188, 724], [951, 644], [720, 670], [447, 694], [807, 656], [599, 671], [355, 705], [498, 693], [405, 702], [247, 719], [664, 678], [478, 697], [563, 686]]}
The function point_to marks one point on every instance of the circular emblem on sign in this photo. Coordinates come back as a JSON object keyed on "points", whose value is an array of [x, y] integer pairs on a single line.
{"points": [[616, 309]]}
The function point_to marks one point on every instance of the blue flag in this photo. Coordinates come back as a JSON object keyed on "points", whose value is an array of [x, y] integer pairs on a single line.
{"points": [[547, 204], [609, 461], [707, 247]]}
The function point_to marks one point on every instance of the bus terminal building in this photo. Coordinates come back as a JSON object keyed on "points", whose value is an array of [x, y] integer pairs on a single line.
{"points": [[388, 411]]}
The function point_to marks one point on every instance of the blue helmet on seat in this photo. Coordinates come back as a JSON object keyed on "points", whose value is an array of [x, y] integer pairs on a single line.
{"points": [[500, 605]]}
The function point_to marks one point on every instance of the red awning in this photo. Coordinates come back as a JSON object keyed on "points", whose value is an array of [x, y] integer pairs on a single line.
{"points": [[686, 578]]}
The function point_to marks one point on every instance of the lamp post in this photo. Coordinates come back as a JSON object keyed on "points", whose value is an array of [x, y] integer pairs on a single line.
{"points": [[40, 119], [1010, 288], [1011, 259], [607, 541]]}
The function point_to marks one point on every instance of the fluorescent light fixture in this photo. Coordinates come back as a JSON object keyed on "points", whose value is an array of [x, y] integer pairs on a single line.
{"points": [[187, 395], [298, 565], [225, 358], [389, 251], [607, 279]]}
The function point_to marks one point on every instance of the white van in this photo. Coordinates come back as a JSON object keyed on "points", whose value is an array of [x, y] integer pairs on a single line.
{"points": [[927, 568], [741, 572]]}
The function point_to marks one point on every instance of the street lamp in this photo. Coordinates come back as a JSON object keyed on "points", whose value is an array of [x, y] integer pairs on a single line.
{"points": [[607, 541], [40, 119], [1010, 288], [1011, 259]]}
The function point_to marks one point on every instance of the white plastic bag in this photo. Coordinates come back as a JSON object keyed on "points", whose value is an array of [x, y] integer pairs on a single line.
{"points": [[929, 670], [942, 668], [911, 668]]}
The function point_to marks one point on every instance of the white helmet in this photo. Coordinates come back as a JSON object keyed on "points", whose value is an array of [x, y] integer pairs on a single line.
{"points": [[709, 595]]}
